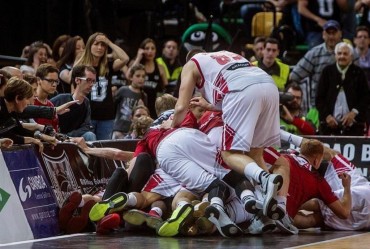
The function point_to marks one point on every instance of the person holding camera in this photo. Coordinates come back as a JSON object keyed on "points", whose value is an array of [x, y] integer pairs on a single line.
{"points": [[342, 95], [291, 117]]}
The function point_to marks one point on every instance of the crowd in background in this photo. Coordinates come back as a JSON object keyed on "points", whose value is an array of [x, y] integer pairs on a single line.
{"points": [[120, 85]]}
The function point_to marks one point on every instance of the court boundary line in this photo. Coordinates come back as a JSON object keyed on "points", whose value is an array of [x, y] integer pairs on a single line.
{"points": [[44, 239], [326, 241]]}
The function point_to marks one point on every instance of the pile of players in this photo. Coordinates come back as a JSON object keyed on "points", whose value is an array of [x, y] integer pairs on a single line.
{"points": [[219, 168]]}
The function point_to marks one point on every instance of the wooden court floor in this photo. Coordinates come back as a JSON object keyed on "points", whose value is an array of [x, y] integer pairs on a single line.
{"points": [[312, 238]]}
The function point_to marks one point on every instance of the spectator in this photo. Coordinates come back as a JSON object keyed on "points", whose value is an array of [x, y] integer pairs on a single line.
{"points": [[291, 116], [258, 45], [156, 79], [313, 62], [272, 65], [171, 63], [126, 99], [101, 98], [38, 55], [72, 51], [362, 52], [13, 71], [17, 95], [316, 15], [342, 95], [58, 46], [77, 122], [47, 80], [139, 127], [362, 9]]}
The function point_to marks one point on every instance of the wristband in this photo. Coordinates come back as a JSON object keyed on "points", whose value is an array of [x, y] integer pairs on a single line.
{"points": [[37, 134], [355, 111]]}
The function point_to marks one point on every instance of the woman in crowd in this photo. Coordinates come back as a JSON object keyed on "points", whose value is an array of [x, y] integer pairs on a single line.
{"points": [[73, 50], [101, 99], [156, 80]]}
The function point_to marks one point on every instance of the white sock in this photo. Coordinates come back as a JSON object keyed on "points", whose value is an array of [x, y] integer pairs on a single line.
{"points": [[132, 201], [82, 203], [181, 203], [281, 199], [205, 199], [157, 210], [218, 201], [291, 138], [246, 193], [253, 171]]}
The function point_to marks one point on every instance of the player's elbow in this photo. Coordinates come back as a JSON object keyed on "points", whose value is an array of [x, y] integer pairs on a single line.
{"points": [[344, 214]]}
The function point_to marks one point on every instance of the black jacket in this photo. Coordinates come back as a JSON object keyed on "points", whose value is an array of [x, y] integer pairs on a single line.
{"points": [[354, 86]]}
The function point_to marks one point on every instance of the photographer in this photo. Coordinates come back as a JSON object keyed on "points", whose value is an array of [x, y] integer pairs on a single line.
{"points": [[291, 117]]}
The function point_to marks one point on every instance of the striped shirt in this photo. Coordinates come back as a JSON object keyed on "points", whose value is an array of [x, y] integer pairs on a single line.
{"points": [[311, 65]]}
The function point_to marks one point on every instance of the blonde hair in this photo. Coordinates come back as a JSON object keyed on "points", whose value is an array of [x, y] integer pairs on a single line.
{"points": [[17, 88], [141, 125], [87, 58], [164, 103]]}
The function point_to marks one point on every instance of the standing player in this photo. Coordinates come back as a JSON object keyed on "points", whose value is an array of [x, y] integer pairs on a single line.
{"points": [[249, 102]]}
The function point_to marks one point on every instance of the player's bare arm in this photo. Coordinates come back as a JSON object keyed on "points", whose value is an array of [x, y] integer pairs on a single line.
{"points": [[189, 77], [342, 207]]}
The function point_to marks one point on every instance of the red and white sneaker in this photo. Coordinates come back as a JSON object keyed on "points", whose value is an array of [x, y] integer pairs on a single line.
{"points": [[69, 207], [109, 223], [77, 224]]}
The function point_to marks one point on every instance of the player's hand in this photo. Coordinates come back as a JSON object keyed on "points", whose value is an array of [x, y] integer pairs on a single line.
{"points": [[346, 180], [166, 124], [201, 102]]}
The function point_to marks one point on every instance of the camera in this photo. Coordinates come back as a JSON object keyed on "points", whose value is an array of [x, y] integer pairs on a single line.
{"points": [[49, 130], [284, 98]]}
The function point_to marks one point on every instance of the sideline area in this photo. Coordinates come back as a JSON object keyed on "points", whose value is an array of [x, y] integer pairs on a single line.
{"points": [[34, 186]]}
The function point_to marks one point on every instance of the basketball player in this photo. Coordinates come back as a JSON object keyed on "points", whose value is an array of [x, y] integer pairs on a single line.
{"points": [[249, 102]]}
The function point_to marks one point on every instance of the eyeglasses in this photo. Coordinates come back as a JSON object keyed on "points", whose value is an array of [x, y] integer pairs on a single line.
{"points": [[52, 81], [88, 80]]}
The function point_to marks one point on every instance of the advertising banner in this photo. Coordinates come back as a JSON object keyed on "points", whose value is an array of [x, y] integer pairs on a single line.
{"points": [[356, 149], [69, 169], [13, 219], [34, 192]]}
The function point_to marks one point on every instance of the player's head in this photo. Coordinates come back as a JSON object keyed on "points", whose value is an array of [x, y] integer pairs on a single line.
{"points": [[193, 52], [164, 103], [313, 150]]}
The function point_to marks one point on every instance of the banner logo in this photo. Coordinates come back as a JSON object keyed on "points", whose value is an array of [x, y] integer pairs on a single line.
{"points": [[24, 193], [4, 197], [61, 176]]}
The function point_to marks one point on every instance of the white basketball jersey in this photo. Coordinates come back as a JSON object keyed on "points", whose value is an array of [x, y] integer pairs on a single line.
{"points": [[224, 72]]}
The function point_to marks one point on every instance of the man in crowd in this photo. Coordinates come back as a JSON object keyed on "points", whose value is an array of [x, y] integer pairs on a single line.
{"points": [[314, 61], [77, 121], [272, 65], [342, 95]]}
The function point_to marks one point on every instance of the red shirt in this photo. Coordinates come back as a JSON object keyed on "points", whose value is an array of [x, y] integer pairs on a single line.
{"points": [[304, 184], [210, 120], [153, 137], [53, 122]]}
